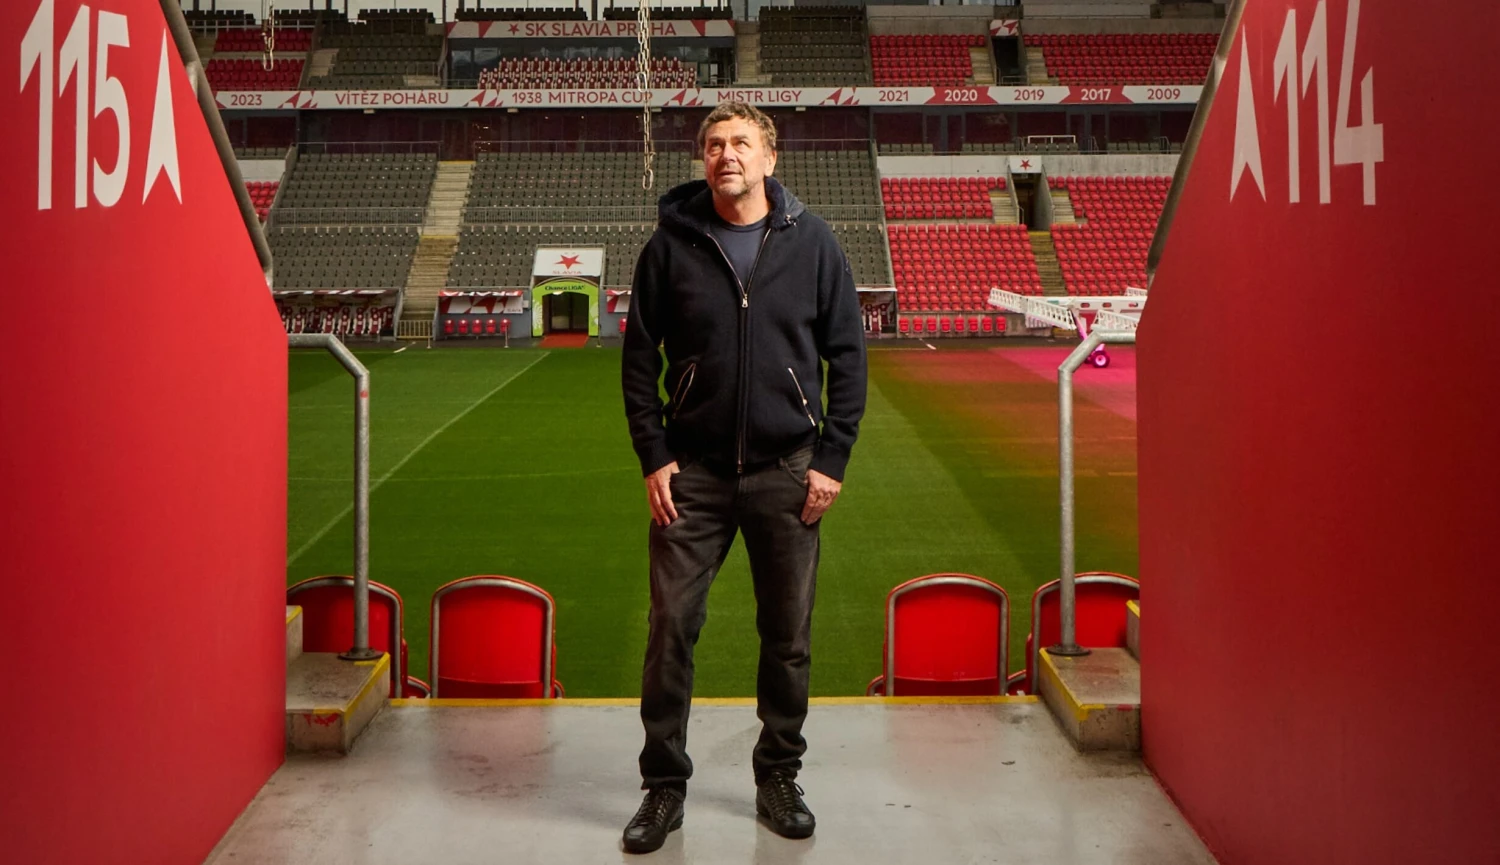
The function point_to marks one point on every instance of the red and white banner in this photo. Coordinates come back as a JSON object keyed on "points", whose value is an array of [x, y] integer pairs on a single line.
{"points": [[808, 97], [588, 29], [1006, 27], [560, 261]]}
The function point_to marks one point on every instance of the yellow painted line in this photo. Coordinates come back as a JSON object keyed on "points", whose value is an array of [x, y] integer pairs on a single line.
{"points": [[383, 663], [1049, 672], [292, 613], [594, 702], [1134, 607]]}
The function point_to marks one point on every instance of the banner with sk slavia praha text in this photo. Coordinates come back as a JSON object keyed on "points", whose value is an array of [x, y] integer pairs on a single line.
{"points": [[809, 97], [587, 29]]}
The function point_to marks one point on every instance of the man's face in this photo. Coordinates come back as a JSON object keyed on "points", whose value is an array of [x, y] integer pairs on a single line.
{"points": [[736, 160]]}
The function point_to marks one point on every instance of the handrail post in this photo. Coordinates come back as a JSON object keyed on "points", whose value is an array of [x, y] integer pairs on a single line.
{"points": [[1068, 644], [361, 650]]}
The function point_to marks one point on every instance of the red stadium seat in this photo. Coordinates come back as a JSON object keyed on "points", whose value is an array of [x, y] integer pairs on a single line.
{"points": [[447, 327], [1099, 617], [493, 637], [903, 326], [945, 635], [489, 326], [328, 619], [463, 327]]}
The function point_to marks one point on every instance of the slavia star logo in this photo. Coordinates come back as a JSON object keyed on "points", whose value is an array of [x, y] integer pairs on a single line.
{"points": [[567, 261]]}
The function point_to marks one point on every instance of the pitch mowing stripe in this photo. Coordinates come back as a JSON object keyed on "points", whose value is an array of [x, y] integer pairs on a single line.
{"points": [[313, 541]]}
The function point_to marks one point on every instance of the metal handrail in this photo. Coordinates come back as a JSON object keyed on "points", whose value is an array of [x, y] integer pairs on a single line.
{"points": [[361, 650], [1195, 133], [188, 51], [1068, 644]]}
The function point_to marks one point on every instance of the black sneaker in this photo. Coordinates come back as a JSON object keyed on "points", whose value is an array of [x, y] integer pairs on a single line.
{"points": [[779, 800], [660, 813]]}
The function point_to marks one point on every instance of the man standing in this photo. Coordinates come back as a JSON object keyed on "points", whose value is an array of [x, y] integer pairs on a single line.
{"points": [[748, 294]]}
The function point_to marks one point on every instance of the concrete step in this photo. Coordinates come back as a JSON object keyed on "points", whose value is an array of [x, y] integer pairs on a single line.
{"points": [[330, 701], [1062, 207], [1096, 698], [293, 634], [1133, 628], [1003, 207], [984, 66]]}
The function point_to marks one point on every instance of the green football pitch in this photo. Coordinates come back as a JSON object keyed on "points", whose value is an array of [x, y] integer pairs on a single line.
{"points": [[517, 462]]}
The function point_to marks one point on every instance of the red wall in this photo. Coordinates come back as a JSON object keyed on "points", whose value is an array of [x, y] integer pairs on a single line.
{"points": [[1318, 503], [143, 465]]}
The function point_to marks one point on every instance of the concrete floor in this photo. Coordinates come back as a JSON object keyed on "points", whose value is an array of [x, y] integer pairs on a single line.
{"points": [[993, 783]]}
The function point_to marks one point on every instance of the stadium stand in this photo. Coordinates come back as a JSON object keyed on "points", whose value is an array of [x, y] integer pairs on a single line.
{"points": [[422, 15], [923, 59], [939, 197], [522, 73], [671, 13], [500, 256], [251, 40], [380, 61], [536, 13], [840, 186], [953, 267], [260, 152], [235, 75], [209, 20], [1106, 252], [835, 184], [329, 257], [1143, 58], [919, 148], [388, 188], [815, 46], [600, 187], [1034, 144], [262, 194]]}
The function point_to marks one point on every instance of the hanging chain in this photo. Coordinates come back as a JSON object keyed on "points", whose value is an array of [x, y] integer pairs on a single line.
{"points": [[268, 35], [643, 76]]}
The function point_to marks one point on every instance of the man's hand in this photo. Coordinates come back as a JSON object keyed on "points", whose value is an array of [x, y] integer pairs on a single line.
{"points": [[659, 494], [821, 491]]}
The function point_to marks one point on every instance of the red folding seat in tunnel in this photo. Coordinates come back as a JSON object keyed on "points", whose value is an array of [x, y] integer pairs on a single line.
{"points": [[945, 635], [493, 637], [1099, 617]]}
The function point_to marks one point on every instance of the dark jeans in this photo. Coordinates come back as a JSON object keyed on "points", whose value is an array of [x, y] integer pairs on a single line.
{"points": [[764, 505]]}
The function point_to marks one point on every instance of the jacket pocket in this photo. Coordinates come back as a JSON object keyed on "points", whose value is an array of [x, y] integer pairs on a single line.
{"points": [[802, 395], [684, 386]]}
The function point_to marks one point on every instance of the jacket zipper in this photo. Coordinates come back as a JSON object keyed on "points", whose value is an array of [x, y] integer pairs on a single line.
{"points": [[684, 385], [744, 286], [807, 410]]}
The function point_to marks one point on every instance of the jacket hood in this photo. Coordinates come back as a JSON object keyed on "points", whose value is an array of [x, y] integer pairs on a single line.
{"points": [[691, 205]]}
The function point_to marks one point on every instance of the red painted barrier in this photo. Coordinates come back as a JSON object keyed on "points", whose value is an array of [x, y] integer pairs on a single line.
{"points": [[143, 434], [1316, 500]]}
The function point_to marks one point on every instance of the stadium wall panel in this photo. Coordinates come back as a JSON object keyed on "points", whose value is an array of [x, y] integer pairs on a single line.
{"points": [[1316, 503], [143, 432]]}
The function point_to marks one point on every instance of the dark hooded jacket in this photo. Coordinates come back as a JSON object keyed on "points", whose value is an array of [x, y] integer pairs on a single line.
{"points": [[744, 361]]}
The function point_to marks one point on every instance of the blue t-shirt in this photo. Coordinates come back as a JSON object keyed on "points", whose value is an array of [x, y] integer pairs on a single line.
{"points": [[741, 244]]}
